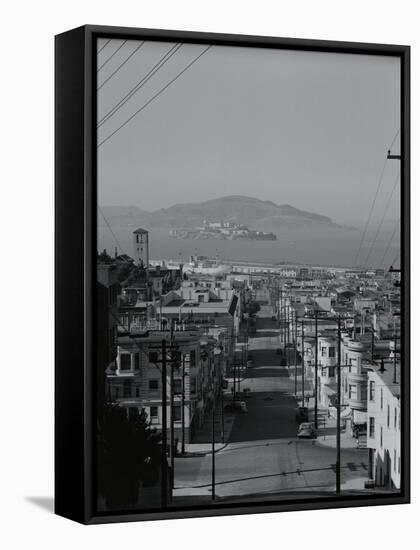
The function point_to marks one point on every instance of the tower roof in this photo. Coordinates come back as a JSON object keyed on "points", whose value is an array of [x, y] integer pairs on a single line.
{"points": [[140, 230]]}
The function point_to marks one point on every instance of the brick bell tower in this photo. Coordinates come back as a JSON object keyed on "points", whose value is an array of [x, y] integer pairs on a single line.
{"points": [[141, 247]]}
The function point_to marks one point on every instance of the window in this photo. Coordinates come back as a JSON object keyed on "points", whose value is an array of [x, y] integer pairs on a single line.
{"points": [[331, 372], [352, 391], [371, 426], [323, 351], [153, 357], [136, 361], [153, 384], [125, 321], [154, 413], [133, 412], [371, 391], [177, 388], [176, 357], [192, 358], [388, 415], [177, 413], [331, 351], [127, 388], [193, 385], [125, 361]]}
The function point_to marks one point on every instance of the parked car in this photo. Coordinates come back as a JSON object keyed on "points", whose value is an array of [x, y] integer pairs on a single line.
{"points": [[306, 429], [302, 415], [236, 406]]}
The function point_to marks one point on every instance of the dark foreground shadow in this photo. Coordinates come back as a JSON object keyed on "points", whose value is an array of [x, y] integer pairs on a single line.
{"points": [[46, 503]]}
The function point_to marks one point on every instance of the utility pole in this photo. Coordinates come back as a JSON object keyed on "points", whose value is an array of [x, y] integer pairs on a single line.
{"points": [[390, 156], [172, 425], [372, 343], [286, 347], [395, 349], [234, 375], [213, 449], [303, 362], [222, 411], [164, 464], [395, 357], [281, 316], [338, 459], [316, 369], [183, 406], [295, 334]]}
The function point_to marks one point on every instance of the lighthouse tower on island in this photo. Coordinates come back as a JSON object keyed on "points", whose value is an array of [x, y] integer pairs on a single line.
{"points": [[141, 247]]}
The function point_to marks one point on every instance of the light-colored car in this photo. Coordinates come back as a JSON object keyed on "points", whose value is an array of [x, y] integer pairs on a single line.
{"points": [[306, 429]]}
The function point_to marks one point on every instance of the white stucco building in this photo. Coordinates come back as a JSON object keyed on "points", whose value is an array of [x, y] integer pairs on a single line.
{"points": [[384, 425]]}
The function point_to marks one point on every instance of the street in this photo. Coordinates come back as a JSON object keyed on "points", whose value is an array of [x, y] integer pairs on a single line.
{"points": [[262, 455]]}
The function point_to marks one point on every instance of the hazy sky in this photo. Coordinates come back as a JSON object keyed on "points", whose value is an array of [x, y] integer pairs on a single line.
{"points": [[304, 128]]}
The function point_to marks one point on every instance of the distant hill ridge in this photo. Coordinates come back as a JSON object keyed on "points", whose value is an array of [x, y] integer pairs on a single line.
{"points": [[256, 213]]}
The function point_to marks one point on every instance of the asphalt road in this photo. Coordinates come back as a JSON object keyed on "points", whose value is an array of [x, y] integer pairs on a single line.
{"points": [[263, 455]]}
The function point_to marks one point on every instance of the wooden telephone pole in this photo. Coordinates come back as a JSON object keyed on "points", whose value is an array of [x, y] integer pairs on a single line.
{"points": [[165, 349], [303, 360], [316, 370], [338, 458]]}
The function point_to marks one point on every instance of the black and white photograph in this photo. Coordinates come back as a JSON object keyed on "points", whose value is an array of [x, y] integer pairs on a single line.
{"points": [[249, 272]]}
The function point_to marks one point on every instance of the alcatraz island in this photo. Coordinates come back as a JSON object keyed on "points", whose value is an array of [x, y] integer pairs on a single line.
{"points": [[222, 230]]}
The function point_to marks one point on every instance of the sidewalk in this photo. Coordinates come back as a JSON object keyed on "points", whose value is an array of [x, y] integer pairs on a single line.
{"points": [[202, 440], [327, 429]]}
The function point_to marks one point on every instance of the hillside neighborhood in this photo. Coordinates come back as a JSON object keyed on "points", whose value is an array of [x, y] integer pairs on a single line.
{"points": [[245, 380]]}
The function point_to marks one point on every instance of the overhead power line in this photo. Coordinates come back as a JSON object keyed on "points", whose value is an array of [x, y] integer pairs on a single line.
{"points": [[140, 84], [154, 97], [111, 56], [111, 231], [120, 66], [396, 258], [371, 211], [374, 201], [390, 242], [106, 44], [395, 137], [382, 219]]}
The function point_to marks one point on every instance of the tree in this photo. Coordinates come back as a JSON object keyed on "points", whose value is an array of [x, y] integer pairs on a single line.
{"points": [[252, 308], [128, 456]]}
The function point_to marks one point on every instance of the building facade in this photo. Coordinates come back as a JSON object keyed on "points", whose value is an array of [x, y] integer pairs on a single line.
{"points": [[384, 426]]}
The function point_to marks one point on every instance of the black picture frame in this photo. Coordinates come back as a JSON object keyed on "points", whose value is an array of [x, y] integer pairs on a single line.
{"points": [[75, 252]]}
